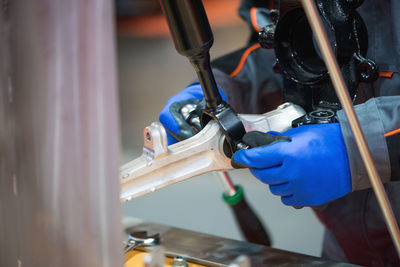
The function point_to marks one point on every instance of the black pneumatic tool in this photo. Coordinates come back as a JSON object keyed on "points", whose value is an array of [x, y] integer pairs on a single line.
{"points": [[193, 38]]}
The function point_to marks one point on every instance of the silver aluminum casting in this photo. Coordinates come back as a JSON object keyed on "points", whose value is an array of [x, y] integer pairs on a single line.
{"points": [[161, 165]]}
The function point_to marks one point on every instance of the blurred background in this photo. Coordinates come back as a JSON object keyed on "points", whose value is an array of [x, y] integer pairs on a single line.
{"points": [[150, 71]]}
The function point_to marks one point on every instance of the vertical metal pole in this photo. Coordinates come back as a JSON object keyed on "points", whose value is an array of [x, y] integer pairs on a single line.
{"points": [[343, 95], [65, 116], [8, 204]]}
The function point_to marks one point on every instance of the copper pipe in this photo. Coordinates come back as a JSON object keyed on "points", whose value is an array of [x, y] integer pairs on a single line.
{"points": [[344, 98]]}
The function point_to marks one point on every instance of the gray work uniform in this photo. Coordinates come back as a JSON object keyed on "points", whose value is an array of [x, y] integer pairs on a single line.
{"points": [[356, 231]]}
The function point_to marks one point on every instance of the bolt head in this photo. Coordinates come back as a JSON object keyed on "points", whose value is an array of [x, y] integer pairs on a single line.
{"points": [[179, 261]]}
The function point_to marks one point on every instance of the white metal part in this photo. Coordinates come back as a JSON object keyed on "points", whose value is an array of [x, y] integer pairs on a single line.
{"points": [[161, 165], [279, 119], [168, 165]]}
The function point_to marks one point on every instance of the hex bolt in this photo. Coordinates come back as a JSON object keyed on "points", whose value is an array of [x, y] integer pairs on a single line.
{"points": [[266, 36], [179, 261]]}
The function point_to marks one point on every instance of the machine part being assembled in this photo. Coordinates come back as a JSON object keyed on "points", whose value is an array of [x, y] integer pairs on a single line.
{"points": [[193, 38], [161, 165], [165, 165], [298, 54], [306, 79], [187, 115], [316, 116], [267, 34], [344, 97]]}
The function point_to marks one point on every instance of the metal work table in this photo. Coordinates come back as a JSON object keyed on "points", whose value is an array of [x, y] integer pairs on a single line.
{"points": [[217, 251]]}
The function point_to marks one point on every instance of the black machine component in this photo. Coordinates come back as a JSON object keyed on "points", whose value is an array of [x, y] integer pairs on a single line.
{"points": [[266, 35], [306, 79], [193, 38]]}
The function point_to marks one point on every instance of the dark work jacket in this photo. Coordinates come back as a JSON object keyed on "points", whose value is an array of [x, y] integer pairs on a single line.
{"points": [[356, 231]]}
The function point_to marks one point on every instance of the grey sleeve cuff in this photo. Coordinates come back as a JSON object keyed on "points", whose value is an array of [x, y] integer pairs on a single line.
{"points": [[372, 125]]}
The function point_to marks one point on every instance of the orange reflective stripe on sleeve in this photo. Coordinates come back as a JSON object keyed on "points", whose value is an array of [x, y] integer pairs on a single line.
{"points": [[392, 132], [243, 59], [253, 17], [386, 74]]}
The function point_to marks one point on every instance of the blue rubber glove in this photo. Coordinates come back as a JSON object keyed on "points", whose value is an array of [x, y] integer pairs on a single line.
{"points": [[172, 120], [310, 170]]}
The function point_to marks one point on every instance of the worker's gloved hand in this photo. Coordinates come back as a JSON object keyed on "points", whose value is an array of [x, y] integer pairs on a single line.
{"points": [[173, 114], [310, 170]]}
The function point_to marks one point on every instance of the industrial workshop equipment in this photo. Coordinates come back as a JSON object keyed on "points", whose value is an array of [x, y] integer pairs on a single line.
{"points": [[306, 78], [59, 201], [305, 67], [199, 249], [193, 38], [161, 165]]}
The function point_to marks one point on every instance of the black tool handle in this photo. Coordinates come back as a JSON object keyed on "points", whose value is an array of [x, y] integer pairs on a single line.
{"points": [[250, 224], [247, 220], [193, 38]]}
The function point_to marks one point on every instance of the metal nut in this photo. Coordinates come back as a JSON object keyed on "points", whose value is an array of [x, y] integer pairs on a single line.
{"points": [[179, 261]]}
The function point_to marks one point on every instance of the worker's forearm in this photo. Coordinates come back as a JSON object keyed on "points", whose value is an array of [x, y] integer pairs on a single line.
{"points": [[379, 118]]}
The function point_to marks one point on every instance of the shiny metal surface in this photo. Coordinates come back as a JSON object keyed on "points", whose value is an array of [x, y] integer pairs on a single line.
{"points": [[60, 139], [159, 168], [241, 261], [8, 193], [279, 119], [179, 261], [343, 95], [141, 239], [161, 165], [217, 251]]}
